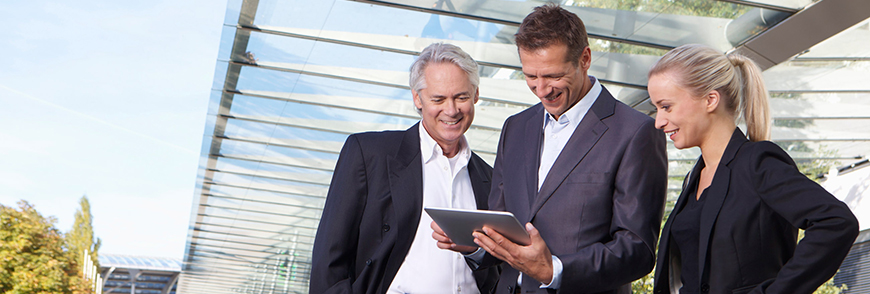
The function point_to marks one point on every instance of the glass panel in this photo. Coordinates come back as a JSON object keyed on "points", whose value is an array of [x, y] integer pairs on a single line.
{"points": [[632, 21]]}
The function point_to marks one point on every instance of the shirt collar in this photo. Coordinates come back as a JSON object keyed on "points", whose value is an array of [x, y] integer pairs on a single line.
{"points": [[430, 149], [574, 114]]}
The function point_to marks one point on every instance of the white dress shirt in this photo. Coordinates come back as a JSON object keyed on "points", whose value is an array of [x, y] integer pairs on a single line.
{"points": [[446, 183]]}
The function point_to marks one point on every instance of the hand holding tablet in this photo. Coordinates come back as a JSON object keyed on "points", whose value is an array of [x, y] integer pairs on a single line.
{"points": [[459, 224]]}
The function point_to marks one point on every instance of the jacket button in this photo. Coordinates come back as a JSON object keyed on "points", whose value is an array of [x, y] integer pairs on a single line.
{"points": [[368, 262], [386, 228], [705, 288], [510, 289]]}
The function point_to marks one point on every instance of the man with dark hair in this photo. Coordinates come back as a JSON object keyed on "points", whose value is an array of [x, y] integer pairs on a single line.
{"points": [[586, 172], [374, 236]]}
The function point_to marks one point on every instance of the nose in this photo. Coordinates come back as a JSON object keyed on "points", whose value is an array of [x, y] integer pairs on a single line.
{"points": [[661, 121], [451, 108], [541, 88]]}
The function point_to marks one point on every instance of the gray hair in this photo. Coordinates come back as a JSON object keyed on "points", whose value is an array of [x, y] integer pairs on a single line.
{"points": [[441, 53]]}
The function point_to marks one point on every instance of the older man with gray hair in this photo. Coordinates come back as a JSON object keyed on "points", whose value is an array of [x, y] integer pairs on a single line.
{"points": [[374, 236]]}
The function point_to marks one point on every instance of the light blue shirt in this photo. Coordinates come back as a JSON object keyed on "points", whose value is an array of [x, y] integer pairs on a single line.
{"points": [[558, 132]]}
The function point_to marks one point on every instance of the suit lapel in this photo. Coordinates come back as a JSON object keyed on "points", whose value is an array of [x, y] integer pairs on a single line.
{"points": [[531, 157], [480, 182], [406, 189], [587, 134], [716, 193]]}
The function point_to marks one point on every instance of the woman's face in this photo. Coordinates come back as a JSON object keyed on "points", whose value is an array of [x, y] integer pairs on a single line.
{"points": [[680, 114]]}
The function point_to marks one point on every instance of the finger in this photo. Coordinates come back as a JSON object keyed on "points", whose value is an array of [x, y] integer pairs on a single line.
{"points": [[436, 228], [537, 241], [464, 249], [491, 246], [444, 245], [441, 238], [533, 233], [485, 242], [494, 235]]}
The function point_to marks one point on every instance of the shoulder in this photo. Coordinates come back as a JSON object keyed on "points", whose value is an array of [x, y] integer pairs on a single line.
{"points": [[528, 113], [382, 141], [627, 115], [375, 137], [763, 157]]}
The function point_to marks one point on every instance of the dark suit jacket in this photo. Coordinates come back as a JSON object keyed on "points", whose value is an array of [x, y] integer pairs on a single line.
{"points": [[756, 202], [600, 208], [372, 211]]}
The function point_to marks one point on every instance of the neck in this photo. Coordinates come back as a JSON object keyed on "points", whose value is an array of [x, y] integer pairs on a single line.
{"points": [[715, 143], [450, 150]]}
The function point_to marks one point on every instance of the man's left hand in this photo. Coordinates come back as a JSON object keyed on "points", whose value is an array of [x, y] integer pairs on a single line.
{"points": [[533, 260]]}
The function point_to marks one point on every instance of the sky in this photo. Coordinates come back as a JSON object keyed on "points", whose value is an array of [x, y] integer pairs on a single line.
{"points": [[107, 99]]}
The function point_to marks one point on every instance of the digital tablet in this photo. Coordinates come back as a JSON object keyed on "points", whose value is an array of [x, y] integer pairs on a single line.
{"points": [[459, 224]]}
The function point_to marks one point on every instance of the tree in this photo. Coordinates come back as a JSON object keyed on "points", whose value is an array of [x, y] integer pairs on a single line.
{"points": [[81, 237], [32, 259]]}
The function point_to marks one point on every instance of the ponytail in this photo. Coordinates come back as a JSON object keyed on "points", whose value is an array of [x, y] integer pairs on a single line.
{"points": [[753, 103]]}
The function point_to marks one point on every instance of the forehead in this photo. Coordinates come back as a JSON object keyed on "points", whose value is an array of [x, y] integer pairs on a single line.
{"points": [[446, 77], [553, 56], [664, 86]]}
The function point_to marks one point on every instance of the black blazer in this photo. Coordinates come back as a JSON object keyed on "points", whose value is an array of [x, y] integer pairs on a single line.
{"points": [[600, 207], [756, 202], [372, 211]]}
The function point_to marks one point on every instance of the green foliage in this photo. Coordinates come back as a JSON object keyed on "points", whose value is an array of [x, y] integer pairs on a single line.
{"points": [[718, 9], [829, 288], [81, 236], [32, 259], [643, 285]]}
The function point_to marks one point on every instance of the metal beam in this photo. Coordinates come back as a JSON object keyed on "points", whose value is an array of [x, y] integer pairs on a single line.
{"points": [[803, 30]]}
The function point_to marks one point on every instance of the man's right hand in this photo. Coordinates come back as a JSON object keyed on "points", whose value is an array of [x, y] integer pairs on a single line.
{"points": [[445, 243]]}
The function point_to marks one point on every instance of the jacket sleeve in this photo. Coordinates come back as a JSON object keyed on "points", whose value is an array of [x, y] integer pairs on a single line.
{"points": [[830, 225], [638, 204], [335, 245]]}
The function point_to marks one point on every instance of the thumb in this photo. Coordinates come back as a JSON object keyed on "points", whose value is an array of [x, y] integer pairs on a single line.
{"points": [[533, 232]]}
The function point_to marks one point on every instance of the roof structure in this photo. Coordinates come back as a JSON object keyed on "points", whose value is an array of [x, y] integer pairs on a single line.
{"points": [[139, 274], [293, 78]]}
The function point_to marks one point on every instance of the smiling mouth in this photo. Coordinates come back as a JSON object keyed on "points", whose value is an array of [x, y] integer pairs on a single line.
{"points": [[670, 134], [451, 122], [553, 97]]}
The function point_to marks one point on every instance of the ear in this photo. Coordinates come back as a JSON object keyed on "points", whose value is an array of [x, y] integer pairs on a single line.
{"points": [[476, 95], [586, 58], [417, 102], [712, 99]]}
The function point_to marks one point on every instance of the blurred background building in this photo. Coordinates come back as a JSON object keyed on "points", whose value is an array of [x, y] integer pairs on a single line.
{"points": [[139, 275], [294, 78]]}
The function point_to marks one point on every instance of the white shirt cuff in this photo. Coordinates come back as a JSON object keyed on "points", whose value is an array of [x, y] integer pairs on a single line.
{"points": [[557, 275]]}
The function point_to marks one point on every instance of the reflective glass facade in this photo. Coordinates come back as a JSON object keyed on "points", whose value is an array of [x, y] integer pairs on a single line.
{"points": [[294, 78]]}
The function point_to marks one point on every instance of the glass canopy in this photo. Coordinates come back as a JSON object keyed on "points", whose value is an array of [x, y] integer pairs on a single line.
{"points": [[294, 78]]}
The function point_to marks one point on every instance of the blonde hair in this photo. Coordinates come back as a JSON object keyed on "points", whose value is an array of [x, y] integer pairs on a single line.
{"points": [[701, 69]]}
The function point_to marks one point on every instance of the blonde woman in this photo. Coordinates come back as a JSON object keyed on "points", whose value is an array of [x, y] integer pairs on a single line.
{"points": [[734, 228]]}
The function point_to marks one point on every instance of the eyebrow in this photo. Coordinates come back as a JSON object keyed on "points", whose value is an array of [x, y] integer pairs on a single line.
{"points": [[454, 96], [549, 75]]}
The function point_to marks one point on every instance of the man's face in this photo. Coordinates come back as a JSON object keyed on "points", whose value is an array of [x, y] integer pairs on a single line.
{"points": [[557, 82], [447, 103]]}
